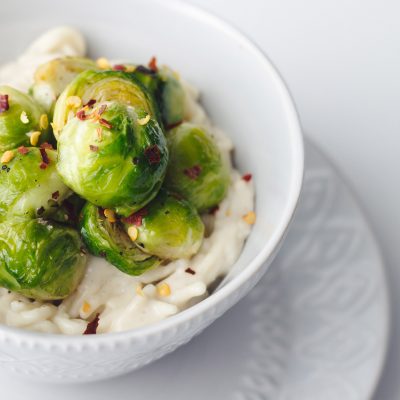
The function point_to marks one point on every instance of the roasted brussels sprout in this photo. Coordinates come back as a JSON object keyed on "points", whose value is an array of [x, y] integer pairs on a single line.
{"points": [[20, 118], [169, 227], [68, 211], [116, 159], [52, 77], [196, 169], [99, 86], [167, 91], [108, 239], [29, 183], [40, 259]]}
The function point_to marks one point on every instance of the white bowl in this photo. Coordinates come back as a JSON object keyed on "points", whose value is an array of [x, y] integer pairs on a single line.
{"points": [[243, 94]]}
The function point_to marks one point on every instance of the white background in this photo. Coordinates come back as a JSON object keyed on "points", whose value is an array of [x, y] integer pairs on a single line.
{"points": [[341, 61]]}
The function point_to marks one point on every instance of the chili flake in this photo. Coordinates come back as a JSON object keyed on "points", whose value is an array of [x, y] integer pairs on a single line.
{"points": [[42, 165], [91, 328], [55, 195], [163, 289], [46, 145], [153, 64], [81, 115], [250, 218], [90, 103], [93, 148], [172, 126], [110, 215], [23, 150], [153, 154], [45, 157], [105, 123], [137, 217], [193, 172], [119, 67], [190, 271], [247, 177], [102, 108], [4, 105], [133, 233]]}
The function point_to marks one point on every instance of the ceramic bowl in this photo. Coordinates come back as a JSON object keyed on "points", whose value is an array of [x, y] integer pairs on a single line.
{"points": [[244, 95]]}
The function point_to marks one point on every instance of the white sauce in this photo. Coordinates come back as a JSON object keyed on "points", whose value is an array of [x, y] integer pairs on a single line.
{"points": [[117, 296]]}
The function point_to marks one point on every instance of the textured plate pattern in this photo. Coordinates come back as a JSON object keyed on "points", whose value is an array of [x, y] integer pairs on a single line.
{"points": [[313, 329], [321, 317]]}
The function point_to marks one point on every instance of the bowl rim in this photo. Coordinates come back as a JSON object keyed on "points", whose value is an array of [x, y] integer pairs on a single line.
{"points": [[295, 133]]}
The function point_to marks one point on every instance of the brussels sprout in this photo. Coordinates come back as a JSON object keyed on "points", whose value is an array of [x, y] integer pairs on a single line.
{"points": [[29, 183], [109, 240], [118, 161], [40, 259], [169, 227], [196, 169], [20, 116], [52, 77], [167, 91], [68, 211], [100, 86]]}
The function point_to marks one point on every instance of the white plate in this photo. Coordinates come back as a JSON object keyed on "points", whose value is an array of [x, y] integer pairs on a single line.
{"points": [[314, 328]]}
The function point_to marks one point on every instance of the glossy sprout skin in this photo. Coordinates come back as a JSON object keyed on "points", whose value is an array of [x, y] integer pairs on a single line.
{"points": [[40, 259], [196, 168], [167, 91], [109, 240], [101, 86], [15, 129], [51, 78], [28, 190], [170, 227], [124, 168]]}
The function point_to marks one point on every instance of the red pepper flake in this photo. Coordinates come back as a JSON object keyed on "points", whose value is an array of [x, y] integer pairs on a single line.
{"points": [[55, 195], [153, 64], [101, 211], [93, 148], [137, 217], [142, 69], [247, 177], [153, 154], [90, 103], [43, 165], [193, 172], [213, 210], [45, 157], [4, 105], [46, 145], [102, 108], [23, 150], [119, 67], [105, 123], [91, 328], [82, 115], [190, 271]]}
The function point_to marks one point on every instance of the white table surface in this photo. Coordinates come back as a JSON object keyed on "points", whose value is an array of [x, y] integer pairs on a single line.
{"points": [[341, 61]]}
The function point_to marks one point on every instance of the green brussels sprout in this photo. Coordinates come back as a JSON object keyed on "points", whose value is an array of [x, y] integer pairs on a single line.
{"points": [[20, 117], [68, 211], [167, 91], [169, 227], [52, 77], [124, 167], [29, 183], [109, 239], [196, 168], [101, 86], [40, 259]]}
